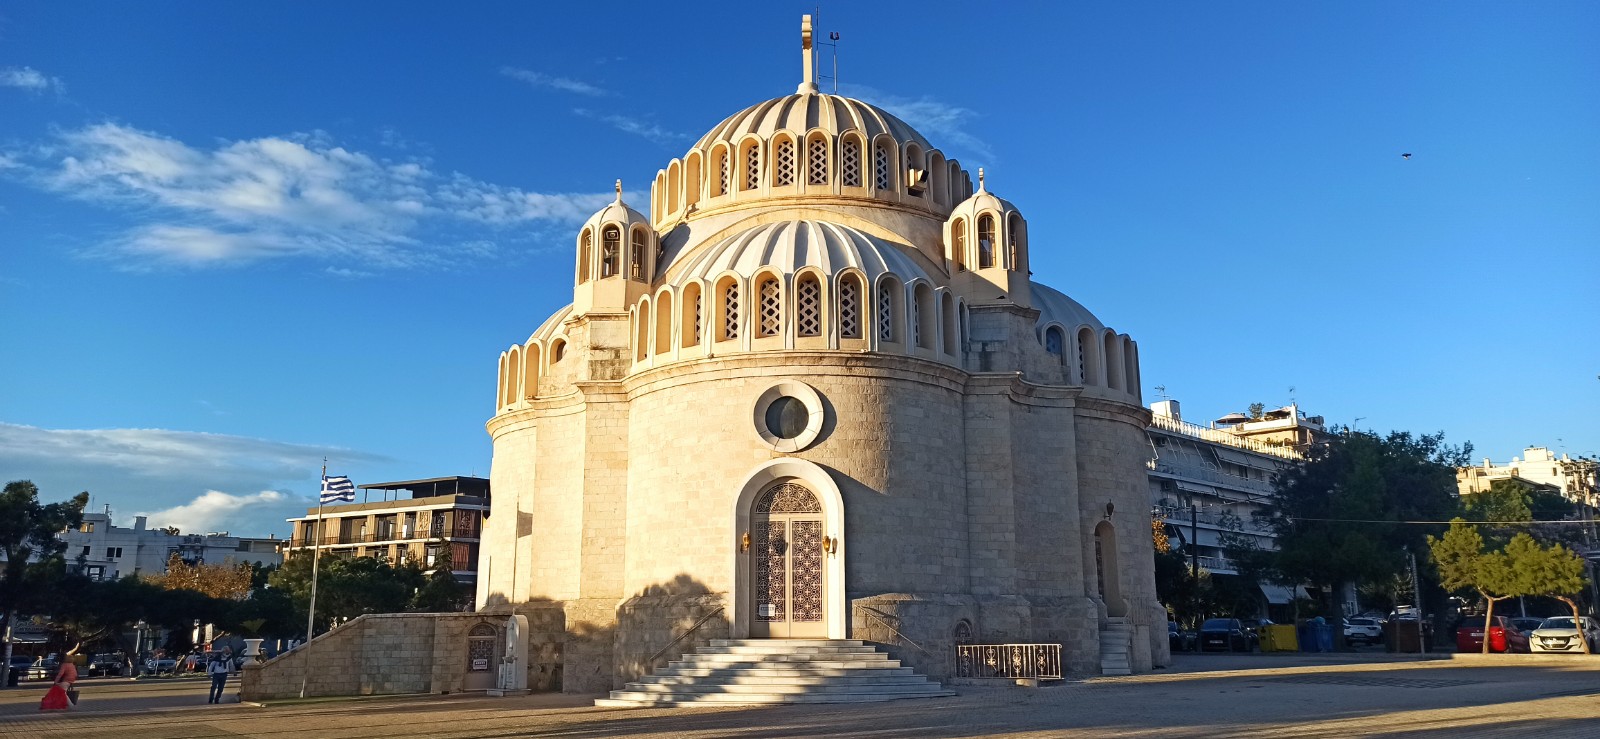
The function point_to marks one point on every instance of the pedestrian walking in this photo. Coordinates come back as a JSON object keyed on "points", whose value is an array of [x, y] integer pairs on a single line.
{"points": [[61, 695], [220, 664]]}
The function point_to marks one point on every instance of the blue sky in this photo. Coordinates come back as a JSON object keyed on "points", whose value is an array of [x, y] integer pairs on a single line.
{"points": [[235, 239]]}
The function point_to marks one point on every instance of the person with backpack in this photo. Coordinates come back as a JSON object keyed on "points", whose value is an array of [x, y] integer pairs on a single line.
{"points": [[218, 667]]}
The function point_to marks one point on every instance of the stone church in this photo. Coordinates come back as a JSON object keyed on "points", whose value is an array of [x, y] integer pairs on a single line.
{"points": [[811, 391]]}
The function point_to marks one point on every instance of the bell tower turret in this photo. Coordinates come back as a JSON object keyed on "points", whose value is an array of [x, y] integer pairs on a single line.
{"points": [[616, 259], [986, 249]]}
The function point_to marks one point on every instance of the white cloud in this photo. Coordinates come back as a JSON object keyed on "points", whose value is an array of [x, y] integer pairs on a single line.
{"points": [[216, 511], [292, 196], [634, 126], [165, 471], [29, 79], [539, 79], [945, 124]]}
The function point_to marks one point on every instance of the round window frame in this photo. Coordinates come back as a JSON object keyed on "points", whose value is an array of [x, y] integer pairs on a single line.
{"points": [[816, 415]]}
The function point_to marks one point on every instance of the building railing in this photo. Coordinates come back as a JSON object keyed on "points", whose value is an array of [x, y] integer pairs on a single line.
{"points": [[1217, 563], [353, 539], [1214, 477], [1009, 661], [1167, 423], [1178, 515]]}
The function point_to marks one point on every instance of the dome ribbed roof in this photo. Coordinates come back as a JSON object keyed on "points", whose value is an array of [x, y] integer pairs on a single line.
{"points": [[1054, 305], [802, 112], [792, 245]]}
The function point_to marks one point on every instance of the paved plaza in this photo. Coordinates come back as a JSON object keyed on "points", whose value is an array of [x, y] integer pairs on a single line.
{"points": [[1199, 696]]}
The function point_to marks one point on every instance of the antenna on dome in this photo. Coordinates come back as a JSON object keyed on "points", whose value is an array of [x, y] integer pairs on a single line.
{"points": [[808, 59]]}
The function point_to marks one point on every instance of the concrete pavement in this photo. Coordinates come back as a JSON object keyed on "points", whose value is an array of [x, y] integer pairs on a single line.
{"points": [[1200, 696]]}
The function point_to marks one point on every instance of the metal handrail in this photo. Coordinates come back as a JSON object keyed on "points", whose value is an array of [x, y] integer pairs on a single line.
{"points": [[873, 614], [691, 630]]}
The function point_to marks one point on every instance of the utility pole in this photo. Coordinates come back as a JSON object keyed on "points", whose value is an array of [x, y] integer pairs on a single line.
{"points": [[1194, 540]]}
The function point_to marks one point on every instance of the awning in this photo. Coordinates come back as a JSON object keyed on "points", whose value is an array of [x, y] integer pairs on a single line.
{"points": [[1195, 487], [1243, 458], [1282, 594]]}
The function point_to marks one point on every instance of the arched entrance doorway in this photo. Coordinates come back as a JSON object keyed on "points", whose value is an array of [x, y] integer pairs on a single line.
{"points": [[483, 656], [1108, 575], [787, 549]]}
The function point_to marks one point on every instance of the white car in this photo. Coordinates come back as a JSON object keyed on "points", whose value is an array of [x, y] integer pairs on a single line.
{"points": [[1367, 630], [1558, 635]]}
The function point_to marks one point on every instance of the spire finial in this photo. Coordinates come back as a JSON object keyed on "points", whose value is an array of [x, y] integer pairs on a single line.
{"points": [[808, 60], [619, 191], [980, 178]]}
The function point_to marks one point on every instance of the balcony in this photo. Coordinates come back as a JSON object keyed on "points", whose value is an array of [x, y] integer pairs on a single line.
{"points": [[1185, 428], [1181, 517], [336, 540], [1215, 477]]}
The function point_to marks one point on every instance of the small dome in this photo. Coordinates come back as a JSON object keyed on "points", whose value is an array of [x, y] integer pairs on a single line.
{"points": [[551, 325], [792, 245], [802, 112], [616, 212], [982, 200], [1055, 307]]}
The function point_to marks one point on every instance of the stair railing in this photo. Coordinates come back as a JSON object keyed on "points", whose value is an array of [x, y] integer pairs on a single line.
{"points": [[684, 635], [874, 614]]}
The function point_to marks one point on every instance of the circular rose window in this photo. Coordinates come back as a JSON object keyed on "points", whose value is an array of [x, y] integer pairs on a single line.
{"points": [[788, 416]]}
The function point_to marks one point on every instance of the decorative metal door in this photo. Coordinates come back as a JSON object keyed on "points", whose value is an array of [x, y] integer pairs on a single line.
{"points": [[786, 567], [483, 657]]}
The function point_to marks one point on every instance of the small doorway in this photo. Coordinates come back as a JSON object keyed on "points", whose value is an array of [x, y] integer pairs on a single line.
{"points": [[483, 651], [1108, 576], [787, 592]]}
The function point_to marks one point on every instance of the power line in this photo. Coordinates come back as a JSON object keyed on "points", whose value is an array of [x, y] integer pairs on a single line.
{"points": [[1429, 523]]}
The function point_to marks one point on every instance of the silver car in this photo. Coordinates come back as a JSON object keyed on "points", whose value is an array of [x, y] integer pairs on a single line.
{"points": [[1559, 635]]}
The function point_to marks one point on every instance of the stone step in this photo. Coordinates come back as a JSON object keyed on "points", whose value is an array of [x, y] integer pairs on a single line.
{"points": [[627, 699], [775, 643], [724, 660], [780, 679], [701, 672], [805, 649], [823, 689]]}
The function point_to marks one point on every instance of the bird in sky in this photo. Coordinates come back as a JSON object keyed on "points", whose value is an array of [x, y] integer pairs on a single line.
{"points": [[1406, 155]]}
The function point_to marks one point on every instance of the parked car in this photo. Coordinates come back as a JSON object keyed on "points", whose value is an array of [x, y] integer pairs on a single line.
{"points": [[1558, 635], [43, 668], [1504, 636], [157, 666], [1255, 624], [1178, 639], [1363, 630], [1227, 635], [105, 664]]}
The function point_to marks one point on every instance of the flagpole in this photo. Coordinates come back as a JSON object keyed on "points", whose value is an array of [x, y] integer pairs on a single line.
{"points": [[316, 551]]}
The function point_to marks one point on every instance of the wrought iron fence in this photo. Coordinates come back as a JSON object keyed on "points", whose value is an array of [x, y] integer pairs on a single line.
{"points": [[1009, 661]]}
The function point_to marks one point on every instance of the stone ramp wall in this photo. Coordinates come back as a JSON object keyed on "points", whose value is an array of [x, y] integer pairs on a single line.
{"points": [[398, 653]]}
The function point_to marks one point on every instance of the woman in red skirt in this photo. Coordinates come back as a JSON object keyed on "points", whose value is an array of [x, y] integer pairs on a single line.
{"points": [[55, 699]]}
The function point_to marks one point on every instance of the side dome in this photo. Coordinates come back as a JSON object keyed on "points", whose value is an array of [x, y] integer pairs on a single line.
{"points": [[1056, 308]]}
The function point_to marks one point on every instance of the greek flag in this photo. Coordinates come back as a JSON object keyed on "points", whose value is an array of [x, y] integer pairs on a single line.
{"points": [[335, 489]]}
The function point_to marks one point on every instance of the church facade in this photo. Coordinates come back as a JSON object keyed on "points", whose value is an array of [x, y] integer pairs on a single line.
{"points": [[813, 392]]}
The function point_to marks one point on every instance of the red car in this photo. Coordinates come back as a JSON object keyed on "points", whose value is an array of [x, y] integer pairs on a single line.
{"points": [[1503, 636]]}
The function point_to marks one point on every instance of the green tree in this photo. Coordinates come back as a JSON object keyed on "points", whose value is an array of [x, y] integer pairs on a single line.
{"points": [[28, 540], [1337, 517], [1554, 571]]}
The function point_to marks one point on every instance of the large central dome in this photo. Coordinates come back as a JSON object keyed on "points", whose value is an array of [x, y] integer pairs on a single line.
{"points": [[807, 111]]}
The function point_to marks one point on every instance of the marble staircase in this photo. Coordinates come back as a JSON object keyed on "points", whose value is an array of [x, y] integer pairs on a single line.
{"points": [[766, 671]]}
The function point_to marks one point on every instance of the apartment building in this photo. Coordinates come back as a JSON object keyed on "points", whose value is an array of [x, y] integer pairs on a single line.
{"points": [[1577, 480], [102, 550], [419, 521]]}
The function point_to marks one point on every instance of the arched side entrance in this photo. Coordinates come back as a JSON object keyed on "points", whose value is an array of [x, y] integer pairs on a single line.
{"points": [[789, 537], [1107, 571], [483, 657]]}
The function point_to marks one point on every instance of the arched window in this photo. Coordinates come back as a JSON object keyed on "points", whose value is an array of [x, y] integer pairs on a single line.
{"points": [[1014, 240], [817, 161], [513, 374], [637, 265], [719, 186], [674, 183], [770, 320], [530, 371], [850, 308], [664, 323], [850, 161], [691, 179], [1054, 342], [923, 316], [641, 342], [958, 243], [947, 312], [558, 352], [916, 176], [783, 163], [730, 310], [808, 306], [693, 315], [1088, 368], [882, 167], [610, 251], [985, 241], [585, 246], [752, 166], [889, 296], [1112, 356], [1130, 366]]}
